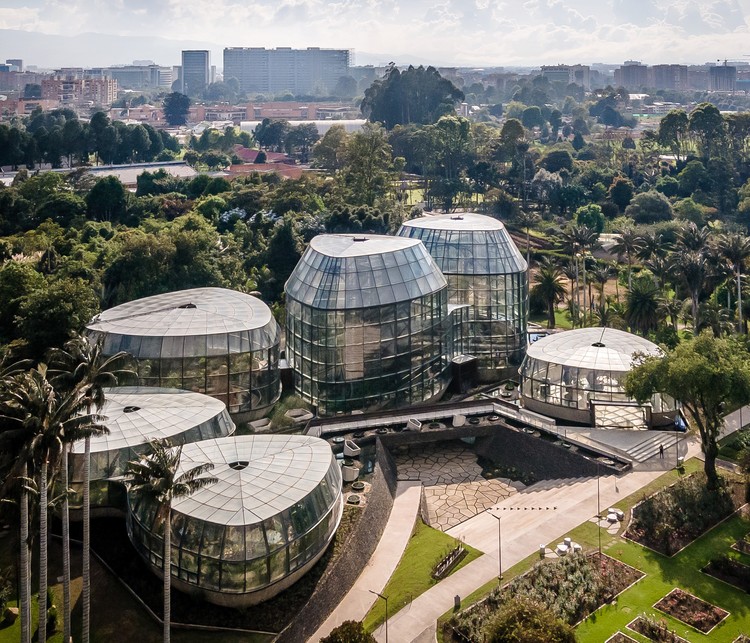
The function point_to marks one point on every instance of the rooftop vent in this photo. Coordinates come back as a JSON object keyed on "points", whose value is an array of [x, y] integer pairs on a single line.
{"points": [[131, 409], [598, 345], [188, 305], [238, 466], [360, 239], [458, 217]]}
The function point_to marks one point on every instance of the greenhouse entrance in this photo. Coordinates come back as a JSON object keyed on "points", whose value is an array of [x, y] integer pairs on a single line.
{"points": [[622, 415]]}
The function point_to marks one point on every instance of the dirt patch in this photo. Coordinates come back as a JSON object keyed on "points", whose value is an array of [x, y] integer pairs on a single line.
{"points": [[693, 611], [730, 571]]}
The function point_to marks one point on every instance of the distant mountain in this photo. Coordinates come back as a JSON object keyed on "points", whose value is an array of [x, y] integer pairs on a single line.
{"points": [[101, 50]]}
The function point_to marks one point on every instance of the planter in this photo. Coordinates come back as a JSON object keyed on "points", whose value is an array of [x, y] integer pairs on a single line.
{"points": [[358, 486], [691, 610]]}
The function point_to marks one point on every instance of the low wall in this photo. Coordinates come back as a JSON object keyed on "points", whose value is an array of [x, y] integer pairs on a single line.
{"points": [[357, 550]]}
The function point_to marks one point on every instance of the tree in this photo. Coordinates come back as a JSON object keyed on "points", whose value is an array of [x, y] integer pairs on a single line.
{"points": [[81, 369], [349, 632], [673, 132], [590, 216], [329, 151], [649, 207], [735, 248], [709, 127], [708, 375], [521, 620], [527, 220], [532, 117], [548, 288], [159, 477], [692, 270], [107, 200], [176, 107], [642, 310], [417, 95], [621, 192], [558, 160], [368, 163]]}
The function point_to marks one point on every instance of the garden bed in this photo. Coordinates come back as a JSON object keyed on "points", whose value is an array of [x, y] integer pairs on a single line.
{"points": [[743, 545], [674, 517], [730, 571], [572, 588], [691, 610], [742, 639], [654, 630], [619, 637]]}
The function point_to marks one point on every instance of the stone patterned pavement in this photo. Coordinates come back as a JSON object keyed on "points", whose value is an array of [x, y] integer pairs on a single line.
{"points": [[454, 488]]}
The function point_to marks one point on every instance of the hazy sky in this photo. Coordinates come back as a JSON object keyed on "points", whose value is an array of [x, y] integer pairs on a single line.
{"points": [[461, 32]]}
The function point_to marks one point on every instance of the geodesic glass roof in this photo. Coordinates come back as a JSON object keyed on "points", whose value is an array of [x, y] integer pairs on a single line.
{"points": [[600, 349], [347, 271], [467, 244], [259, 476]]}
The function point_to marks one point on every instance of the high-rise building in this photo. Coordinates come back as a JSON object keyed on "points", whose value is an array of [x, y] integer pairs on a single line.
{"points": [[670, 77], [300, 71], [15, 62], [196, 70], [632, 75], [723, 78], [578, 74], [140, 76]]}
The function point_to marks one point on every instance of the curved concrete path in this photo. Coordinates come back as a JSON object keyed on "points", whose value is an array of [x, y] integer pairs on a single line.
{"points": [[383, 562]]}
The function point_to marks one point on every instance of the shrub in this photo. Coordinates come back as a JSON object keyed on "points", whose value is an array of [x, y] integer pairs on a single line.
{"points": [[349, 632], [525, 621]]}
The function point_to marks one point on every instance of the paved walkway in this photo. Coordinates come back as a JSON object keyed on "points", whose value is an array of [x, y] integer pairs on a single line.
{"points": [[522, 533], [383, 562]]}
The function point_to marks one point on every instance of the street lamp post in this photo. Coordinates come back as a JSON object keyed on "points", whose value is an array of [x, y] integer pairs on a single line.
{"points": [[499, 548], [598, 509], [385, 598]]}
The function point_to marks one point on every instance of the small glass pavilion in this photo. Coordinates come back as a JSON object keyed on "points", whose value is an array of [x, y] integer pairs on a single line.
{"points": [[486, 272], [367, 324], [268, 519], [134, 417], [209, 340], [579, 374]]}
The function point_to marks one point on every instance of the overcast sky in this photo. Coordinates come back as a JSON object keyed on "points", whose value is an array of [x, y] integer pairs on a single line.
{"points": [[459, 32]]}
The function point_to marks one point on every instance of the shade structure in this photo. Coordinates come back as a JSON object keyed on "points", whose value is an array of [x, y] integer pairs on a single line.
{"points": [[209, 340], [135, 416], [366, 323], [486, 272], [268, 519], [565, 374]]}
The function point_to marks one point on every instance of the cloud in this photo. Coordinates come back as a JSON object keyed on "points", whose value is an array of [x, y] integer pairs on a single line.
{"points": [[454, 32]]}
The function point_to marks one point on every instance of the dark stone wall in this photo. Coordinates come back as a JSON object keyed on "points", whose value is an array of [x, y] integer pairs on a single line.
{"points": [[357, 550]]}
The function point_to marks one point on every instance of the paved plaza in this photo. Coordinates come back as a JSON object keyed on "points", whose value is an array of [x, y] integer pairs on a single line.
{"points": [[454, 488]]}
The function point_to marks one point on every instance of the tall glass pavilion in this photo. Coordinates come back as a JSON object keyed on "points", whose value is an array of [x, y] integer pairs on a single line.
{"points": [[485, 271], [265, 522], [579, 376], [209, 340], [135, 416], [367, 324]]}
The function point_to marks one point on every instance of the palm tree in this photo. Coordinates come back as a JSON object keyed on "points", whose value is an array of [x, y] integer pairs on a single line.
{"points": [[81, 368], [47, 420], [691, 237], [642, 312], [735, 248], [579, 240], [671, 308], [660, 268], [711, 315], [692, 269], [627, 244], [600, 275], [527, 220], [570, 272], [610, 314], [159, 477], [548, 287], [651, 245]]}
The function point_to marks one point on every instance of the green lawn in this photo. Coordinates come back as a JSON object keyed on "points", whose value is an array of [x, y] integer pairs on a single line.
{"points": [[412, 576], [561, 319], [732, 445]]}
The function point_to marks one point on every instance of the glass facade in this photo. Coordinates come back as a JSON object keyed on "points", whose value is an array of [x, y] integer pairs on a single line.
{"points": [[486, 272], [135, 416], [367, 324], [209, 340], [273, 511], [574, 368]]}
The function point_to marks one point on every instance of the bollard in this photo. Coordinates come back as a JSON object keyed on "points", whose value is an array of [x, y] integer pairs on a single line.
{"points": [[456, 603], [542, 551]]}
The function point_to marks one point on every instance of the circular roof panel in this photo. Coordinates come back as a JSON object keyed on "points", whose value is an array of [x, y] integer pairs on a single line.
{"points": [[259, 476], [601, 349]]}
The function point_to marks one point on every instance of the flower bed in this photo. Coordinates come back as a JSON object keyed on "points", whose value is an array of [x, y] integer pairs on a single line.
{"points": [[742, 639], [743, 545], [673, 517], [691, 610], [572, 588], [655, 630], [730, 571]]}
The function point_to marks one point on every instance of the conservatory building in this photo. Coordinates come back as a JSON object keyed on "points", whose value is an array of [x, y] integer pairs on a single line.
{"points": [[579, 376], [136, 416], [486, 272], [208, 340], [367, 324], [265, 522]]}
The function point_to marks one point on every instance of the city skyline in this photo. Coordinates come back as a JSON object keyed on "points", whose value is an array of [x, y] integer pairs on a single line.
{"points": [[478, 33]]}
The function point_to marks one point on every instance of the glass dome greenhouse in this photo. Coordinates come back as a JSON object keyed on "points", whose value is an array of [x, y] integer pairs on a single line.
{"points": [[366, 324], [566, 375], [486, 272], [265, 522], [209, 340], [134, 417]]}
